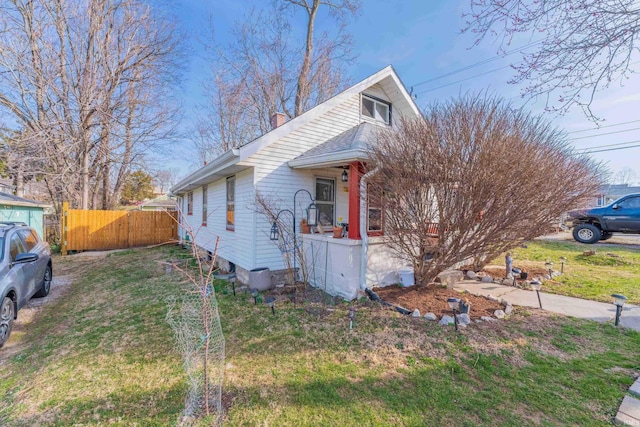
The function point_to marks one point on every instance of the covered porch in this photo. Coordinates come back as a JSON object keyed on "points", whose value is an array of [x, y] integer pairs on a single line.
{"points": [[335, 264]]}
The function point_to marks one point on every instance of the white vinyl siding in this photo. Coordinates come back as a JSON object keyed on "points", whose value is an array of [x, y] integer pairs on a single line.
{"points": [[248, 245], [275, 180], [235, 246]]}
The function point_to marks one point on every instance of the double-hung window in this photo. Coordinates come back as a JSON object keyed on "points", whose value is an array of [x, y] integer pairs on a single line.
{"points": [[375, 217], [204, 205], [376, 109], [325, 201], [190, 203], [231, 202]]}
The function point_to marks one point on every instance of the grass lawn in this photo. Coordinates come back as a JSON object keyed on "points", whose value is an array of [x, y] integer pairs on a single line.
{"points": [[614, 269], [104, 355]]}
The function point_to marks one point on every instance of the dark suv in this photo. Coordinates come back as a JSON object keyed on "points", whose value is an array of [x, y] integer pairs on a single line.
{"points": [[591, 225], [25, 271]]}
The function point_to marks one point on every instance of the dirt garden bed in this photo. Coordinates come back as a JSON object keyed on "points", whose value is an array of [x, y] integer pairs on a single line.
{"points": [[433, 298]]}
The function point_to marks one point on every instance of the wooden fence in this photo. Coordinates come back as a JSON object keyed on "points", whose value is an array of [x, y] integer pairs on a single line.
{"points": [[84, 230]]}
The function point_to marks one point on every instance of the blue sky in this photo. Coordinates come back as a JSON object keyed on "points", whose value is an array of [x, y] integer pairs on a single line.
{"points": [[422, 40]]}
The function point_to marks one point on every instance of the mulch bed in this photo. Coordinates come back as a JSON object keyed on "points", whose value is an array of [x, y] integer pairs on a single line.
{"points": [[433, 298]]}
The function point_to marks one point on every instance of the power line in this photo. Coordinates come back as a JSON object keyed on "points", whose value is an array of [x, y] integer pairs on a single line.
{"points": [[602, 134], [613, 149], [461, 80], [602, 127], [610, 145], [477, 64]]}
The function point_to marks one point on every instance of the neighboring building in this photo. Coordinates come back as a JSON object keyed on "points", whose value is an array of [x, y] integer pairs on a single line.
{"points": [[162, 203], [18, 209], [610, 193], [321, 151]]}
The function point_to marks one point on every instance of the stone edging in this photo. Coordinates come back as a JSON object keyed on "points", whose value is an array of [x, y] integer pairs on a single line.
{"points": [[629, 411]]}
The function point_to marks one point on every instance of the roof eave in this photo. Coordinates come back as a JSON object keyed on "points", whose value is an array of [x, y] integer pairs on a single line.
{"points": [[226, 160], [328, 159]]}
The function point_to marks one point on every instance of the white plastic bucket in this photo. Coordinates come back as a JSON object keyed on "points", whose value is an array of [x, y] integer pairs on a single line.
{"points": [[406, 278]]}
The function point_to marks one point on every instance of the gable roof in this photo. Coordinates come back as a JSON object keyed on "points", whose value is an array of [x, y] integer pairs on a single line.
{"points": [[10, 199], [231, 161]]}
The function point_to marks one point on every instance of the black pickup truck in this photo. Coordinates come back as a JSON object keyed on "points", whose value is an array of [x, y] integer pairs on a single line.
{"points": [[591, 225]]}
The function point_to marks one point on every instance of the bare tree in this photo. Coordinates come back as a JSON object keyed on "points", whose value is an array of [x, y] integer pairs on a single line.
{"points": [[625, 176], [472, 178], [266, 70], [86, 85], [576, 47]]}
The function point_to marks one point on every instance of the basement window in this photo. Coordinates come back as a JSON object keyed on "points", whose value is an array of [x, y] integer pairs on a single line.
{"points": [[376, 109]]}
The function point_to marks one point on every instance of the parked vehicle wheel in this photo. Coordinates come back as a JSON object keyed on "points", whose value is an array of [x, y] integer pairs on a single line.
{"points": [[6, 320], [606, 235], [46, 284], [587, 233]]}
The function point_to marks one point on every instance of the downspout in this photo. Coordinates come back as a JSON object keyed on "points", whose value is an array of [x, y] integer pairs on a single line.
{"points": [[363, 226]]}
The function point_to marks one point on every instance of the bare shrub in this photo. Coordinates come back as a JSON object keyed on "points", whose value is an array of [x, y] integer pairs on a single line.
{"points": [[195, 320], [472, 178]]}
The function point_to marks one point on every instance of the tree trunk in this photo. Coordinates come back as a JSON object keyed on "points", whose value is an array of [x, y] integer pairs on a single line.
{"points": [[302, 92]]}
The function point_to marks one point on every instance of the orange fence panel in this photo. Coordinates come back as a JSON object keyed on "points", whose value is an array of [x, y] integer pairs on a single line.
{"points": [[84, 230]]}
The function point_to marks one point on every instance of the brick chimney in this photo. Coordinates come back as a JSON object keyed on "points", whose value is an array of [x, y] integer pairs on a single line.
{"points": [[278, 119]]}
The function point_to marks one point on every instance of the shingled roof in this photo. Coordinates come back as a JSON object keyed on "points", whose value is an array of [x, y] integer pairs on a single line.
{"points": [[10, 199], [350, 145]]}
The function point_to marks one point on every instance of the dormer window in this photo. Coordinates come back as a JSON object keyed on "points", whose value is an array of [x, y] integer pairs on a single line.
{"points": [[376, 109]]}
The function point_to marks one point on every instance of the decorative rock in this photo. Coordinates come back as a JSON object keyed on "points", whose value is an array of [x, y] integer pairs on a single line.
{"points": [[487, 319], [487, 279], [507, 282], [416, 313], [508, 309], [430, 316], [547, 277], [471, 274], [499, 314], [492, 298], [478, 320], [449, 277], [446, 320], [464, 319], [555, 274], [503, 301]]}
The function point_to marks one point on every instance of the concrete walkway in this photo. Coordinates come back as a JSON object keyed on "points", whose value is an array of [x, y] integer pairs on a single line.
{"points": [[629, 411], [576, 307]]}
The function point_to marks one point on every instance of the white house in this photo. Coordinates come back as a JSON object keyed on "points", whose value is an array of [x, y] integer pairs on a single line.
{"points": [[311, 152]]}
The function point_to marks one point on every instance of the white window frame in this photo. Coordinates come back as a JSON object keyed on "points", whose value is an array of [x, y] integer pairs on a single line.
{"points": [[231, 226], [190, 203], [325, 203], [376, 101], [204, 204]]}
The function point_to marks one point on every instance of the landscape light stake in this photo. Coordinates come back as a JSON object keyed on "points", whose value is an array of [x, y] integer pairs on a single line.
{"points": [[270, 301], [549, 264], [352, 315], [454, 303], [254, 294], [562, 261], [232, 279], [619, 301], [536, 285]]}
